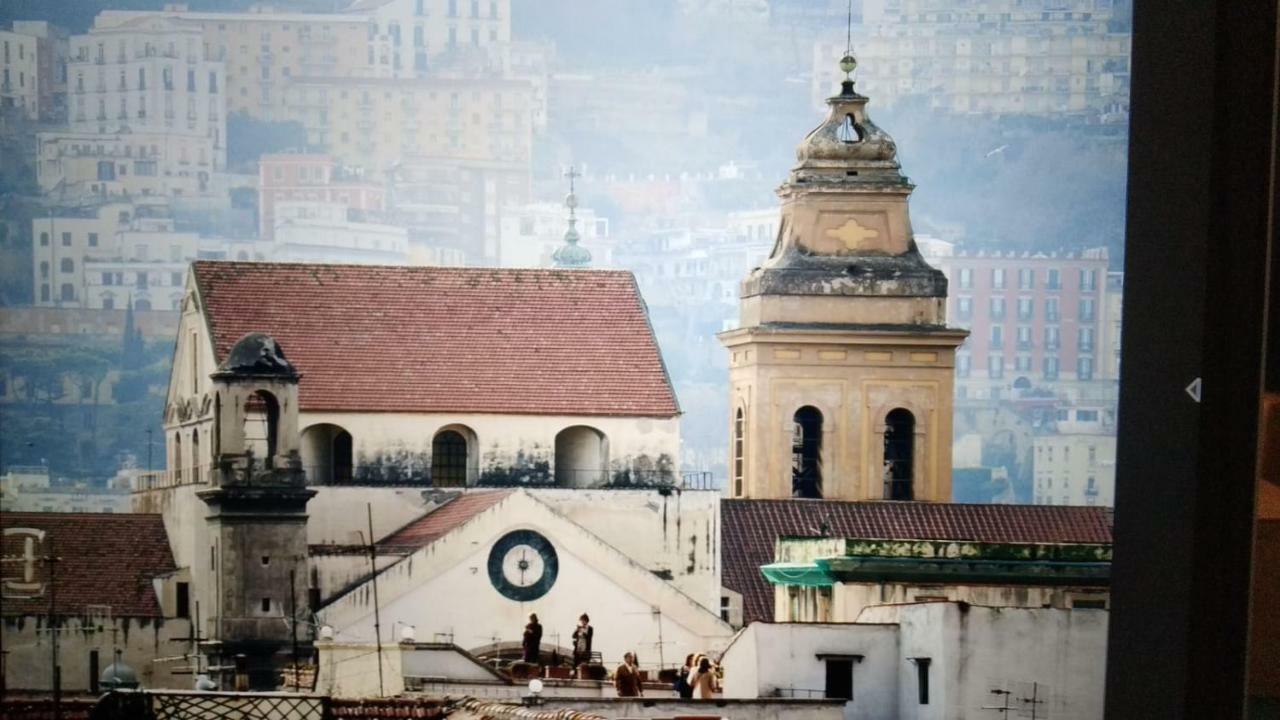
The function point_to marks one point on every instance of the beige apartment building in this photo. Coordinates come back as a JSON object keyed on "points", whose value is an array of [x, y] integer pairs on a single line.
{"points": [[377, 124], [110, 257], [1077, 465], [147, 115], [990, 56], [264, 51]]}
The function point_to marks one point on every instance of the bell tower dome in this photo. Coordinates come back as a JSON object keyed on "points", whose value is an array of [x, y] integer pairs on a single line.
{"points": [[842, 365]]}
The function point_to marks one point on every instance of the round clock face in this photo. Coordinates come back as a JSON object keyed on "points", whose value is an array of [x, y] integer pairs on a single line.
{"points": [[523, 565]]}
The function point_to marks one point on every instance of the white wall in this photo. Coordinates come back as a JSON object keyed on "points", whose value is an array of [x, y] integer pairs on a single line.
{"points": [[677, 532], [977, 649], [770, 657], [593, 577]]}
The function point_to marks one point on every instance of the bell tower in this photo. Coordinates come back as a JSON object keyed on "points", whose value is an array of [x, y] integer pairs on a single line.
{"points": [[256, 519], [841, 369]]}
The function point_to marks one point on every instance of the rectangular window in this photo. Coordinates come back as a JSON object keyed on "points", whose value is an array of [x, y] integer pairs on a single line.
{"points": [[1026, 308], [1084, 339], [964, 308], [1055, 280], [997, 278], [1051, 368], [996, 308], [182, 604], [66, 239], [966, 278], [997, 337], [93, 239], [963, 364], [1026, 279], [1086, 310], [1051, 338], [1024, 337], [839, 679], [266, 604], [922, 679], [1088, 280], [1051, 312], [995, 366], [1084, 368], [1023, 363]]}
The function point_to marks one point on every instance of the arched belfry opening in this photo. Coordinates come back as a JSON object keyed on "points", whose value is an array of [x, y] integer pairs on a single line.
{"points": [[806, 453], [899, 455], [849, 132], [449, 452], [581, 457], [262, 426]]}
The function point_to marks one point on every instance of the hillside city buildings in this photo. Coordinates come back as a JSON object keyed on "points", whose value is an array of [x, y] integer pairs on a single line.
{"points": [[395, 305]]}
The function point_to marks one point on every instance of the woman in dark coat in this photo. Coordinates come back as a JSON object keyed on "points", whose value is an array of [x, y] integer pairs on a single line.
{"points": [[532, 639], [582, 636]]}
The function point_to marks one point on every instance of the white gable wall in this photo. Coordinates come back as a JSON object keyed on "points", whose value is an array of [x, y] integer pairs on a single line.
{"points": [[677, 532], [424, 591]]}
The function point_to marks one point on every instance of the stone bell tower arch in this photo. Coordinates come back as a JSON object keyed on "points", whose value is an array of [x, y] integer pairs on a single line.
{"points": [[844, 321], [256, 511]]}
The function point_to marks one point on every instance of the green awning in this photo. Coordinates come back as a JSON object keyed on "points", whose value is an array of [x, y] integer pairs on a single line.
{"points": [[802, 574]]}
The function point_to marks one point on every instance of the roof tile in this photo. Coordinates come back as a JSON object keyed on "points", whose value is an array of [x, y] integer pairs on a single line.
{"points": [[437, 523], [751, 529], [105, 559], [436, 339]]}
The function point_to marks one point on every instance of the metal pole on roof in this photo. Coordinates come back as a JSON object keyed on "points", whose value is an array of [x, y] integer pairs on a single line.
{"points": [[52, 561], [377, 618]]}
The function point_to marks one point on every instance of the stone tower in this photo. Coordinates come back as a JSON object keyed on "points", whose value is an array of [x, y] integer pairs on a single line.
{"points": [[256, 521], [841, 369]]}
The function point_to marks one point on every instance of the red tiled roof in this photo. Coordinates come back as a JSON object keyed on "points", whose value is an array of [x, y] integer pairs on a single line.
{"points": [[105, 559], [435, 339], [751, 528], [435, 524]]}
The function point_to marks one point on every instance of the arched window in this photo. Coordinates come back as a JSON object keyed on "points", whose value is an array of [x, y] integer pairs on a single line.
{"points": [[142, 304], [806, 453], [449, 459], [261, 422], [44, 270], [580, 457], [739, 430], [327, 453], [899, 455], [68, 265], [68, 292], [177, 457], [195, 455]]}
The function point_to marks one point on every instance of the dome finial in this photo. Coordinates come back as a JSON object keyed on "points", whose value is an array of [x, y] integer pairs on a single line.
{"points": [[570, 255], [848, 63]]}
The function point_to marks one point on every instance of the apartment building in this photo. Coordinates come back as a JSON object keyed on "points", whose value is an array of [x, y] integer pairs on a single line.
{"points": [[1076, 465], [410, 37], [112, 256], [1034, 319], [263, 51], [315, 178], [147, 115], [377, 124], [63, 240], [19, 76], [333, 233], [1030, 57]]}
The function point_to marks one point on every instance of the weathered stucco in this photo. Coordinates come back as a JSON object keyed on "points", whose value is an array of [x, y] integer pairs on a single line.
{"points": [[594, 577]]}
